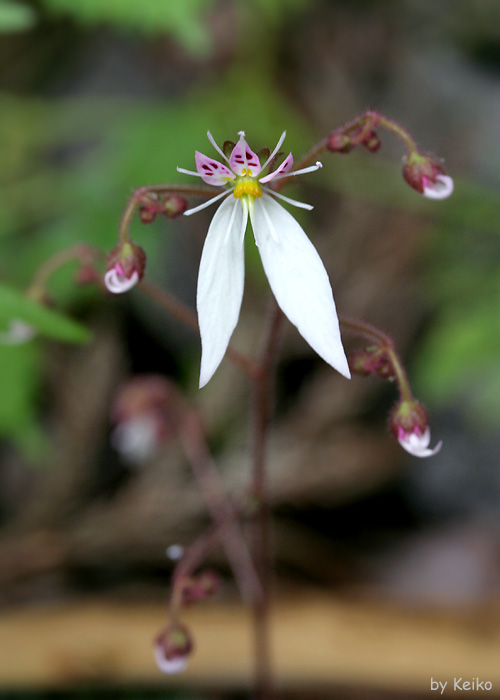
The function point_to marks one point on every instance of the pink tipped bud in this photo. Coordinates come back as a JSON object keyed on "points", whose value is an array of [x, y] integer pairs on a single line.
{"points": [[410, 426], [339, 143], [425, 173], [172, 649], [126, 264]]}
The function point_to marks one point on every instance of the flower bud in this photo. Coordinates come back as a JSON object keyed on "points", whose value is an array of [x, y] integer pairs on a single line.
{"points": [[147, 214], [172, 649], [204, 585], [126, 264], [372, 142], [144, 411], [370, 361], [410, 426], [339, 143], [425, 173], [173, 205]]}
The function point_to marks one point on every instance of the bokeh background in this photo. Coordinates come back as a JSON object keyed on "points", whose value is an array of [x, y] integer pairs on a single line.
{"points": [[387, 567]]}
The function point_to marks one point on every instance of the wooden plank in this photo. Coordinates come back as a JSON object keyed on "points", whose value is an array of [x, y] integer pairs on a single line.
{"points": [[318, 641]]}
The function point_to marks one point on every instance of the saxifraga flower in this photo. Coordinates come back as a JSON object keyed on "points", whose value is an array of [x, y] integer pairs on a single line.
{"points": [[292, 265]]}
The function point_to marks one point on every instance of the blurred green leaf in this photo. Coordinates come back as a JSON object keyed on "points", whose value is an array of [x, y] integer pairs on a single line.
{"points": [[16, 307], [15, 17], [183, 19]]}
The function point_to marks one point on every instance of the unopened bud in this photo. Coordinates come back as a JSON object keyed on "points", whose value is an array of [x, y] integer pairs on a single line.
{"points": [[147, 214], [172, 649], [125, 268], [425, 173], [339, 143], [410, 426], [204, 585], [371, 361], [372, 142], [173, 205]]}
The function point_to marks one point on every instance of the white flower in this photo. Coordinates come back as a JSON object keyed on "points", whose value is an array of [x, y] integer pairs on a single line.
{"points": [[440, 189], [116, 281], [417, 442], [177, 664], [17, 333], [136, 439], [293, 267]]}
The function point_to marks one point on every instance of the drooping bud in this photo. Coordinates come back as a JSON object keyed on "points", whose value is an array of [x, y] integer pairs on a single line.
{"points": [[144, 412], [125, 267], [410, 426], [425, 173], [172, 649]]}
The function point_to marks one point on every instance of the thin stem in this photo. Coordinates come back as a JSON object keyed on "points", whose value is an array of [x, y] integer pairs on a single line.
{"points": [[385, 342], [46, 270], [261, 516], [220, 507], [188, 317]]}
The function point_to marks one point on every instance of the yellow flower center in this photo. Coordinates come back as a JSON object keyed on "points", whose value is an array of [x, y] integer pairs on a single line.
{"points": [[247, 186]]}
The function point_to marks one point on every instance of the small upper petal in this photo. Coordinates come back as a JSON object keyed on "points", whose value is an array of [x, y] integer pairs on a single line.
{"points": [[220, 285], [211, 171], [242, 159], [285, 167], [441, 189], [299, 280]]}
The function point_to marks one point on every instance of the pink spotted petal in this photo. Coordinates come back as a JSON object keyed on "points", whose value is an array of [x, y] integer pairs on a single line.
{"points": [[243, 158], [285, 167], [211, 171]]}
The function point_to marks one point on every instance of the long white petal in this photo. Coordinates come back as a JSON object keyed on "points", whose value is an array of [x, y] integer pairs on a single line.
{"points": [[299, 280], [220, 285]]}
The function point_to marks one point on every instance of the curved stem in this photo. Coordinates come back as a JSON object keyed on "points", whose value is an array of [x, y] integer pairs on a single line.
{"points": [[385, 342], [188, 317], [142, 192]]}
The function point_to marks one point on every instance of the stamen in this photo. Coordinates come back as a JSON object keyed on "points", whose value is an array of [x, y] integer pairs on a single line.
{"points": [[277, 148], [207, 204], [300, 205], [302, 171], [187, 172], [219, 150]]}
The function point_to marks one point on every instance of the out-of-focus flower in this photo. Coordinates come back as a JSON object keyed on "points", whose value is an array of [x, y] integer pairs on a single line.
{"points": [[144, 413], [293, 267], [17, 333], [172, 649]]}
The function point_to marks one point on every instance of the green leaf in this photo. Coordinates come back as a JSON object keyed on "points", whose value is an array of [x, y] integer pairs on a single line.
{"points": [[15, 307], [15, 18], [183, 20]]}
